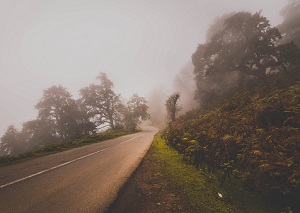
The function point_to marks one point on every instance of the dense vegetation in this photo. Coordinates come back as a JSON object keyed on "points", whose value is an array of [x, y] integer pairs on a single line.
{"points": [[252, 136], [62, 119], [201, 192], [248, 86]]}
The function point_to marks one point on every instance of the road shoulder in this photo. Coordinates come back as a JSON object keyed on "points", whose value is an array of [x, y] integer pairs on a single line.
{"points": [[147, 190]]}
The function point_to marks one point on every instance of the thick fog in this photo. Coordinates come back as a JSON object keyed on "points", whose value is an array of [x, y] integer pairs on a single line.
{"points": [[145, 47]]}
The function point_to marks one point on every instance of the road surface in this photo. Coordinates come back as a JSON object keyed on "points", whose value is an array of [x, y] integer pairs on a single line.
{"points": [[85, 179]]}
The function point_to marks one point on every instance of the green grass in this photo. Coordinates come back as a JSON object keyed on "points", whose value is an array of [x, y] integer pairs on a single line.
{"points": [[199, 190], [62, 146]]}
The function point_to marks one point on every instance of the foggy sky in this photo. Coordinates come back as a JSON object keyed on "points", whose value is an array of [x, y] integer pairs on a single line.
{"points": [[141, 45]]}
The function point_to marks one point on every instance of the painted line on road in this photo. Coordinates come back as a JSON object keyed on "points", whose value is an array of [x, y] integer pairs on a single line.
{"points": [[63, 164], [52, 168], [132, 139]]}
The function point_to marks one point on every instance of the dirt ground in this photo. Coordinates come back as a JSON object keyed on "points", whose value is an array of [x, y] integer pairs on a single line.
{"points": [[147, 191]]}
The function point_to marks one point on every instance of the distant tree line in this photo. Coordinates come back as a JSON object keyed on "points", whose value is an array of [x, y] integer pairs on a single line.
{"points": [[61, 118]]}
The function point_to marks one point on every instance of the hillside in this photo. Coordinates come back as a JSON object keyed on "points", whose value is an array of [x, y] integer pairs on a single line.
{"points": [[252, 137]]}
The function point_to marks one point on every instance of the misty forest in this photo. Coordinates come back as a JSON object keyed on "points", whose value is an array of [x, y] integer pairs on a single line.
{"points": [[63, 119], [247, 85], [246, 122]]}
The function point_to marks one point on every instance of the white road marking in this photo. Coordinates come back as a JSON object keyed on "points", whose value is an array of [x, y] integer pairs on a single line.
{"points": [[63, 164], [52, 168], [131, 139]]}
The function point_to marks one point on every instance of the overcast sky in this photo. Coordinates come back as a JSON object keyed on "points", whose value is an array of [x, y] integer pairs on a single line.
{"points": [[140, 44]]}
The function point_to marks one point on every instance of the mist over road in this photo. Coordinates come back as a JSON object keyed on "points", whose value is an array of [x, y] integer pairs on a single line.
{"points": [[84, 179]]}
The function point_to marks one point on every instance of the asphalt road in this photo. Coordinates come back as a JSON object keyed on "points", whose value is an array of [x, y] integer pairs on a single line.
{"points": [[85, 179]]}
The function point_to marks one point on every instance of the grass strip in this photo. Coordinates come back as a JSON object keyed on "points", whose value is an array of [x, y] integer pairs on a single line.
{"points": [[201, 191]]}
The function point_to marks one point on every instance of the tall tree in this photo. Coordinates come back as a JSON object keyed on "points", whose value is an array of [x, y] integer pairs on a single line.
{"points": [[37, 132], [60, 111], [172, 106], [85, 125], [101, 103], [245, 49], [11, 142], [135, 112]]}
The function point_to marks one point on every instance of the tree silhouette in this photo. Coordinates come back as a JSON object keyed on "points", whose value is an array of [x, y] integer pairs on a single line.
{"points": [[101, 103], [172, 106], [245, 49], [59, 110], [37, 132], [11, 142], [135, 112]]}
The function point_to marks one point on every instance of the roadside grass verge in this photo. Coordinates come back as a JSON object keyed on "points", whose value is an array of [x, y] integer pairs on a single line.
{"points": [[201, 191], [62, 146]]}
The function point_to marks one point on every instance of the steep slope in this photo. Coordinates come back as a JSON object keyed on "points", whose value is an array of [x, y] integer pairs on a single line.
{"points": [[253, 136]]}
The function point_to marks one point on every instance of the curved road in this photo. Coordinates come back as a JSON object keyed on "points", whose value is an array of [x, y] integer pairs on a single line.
{"points": [[85, 179]]}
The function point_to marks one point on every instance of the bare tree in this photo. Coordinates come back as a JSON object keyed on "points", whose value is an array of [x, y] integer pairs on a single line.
{"points": [[172, 106]]}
